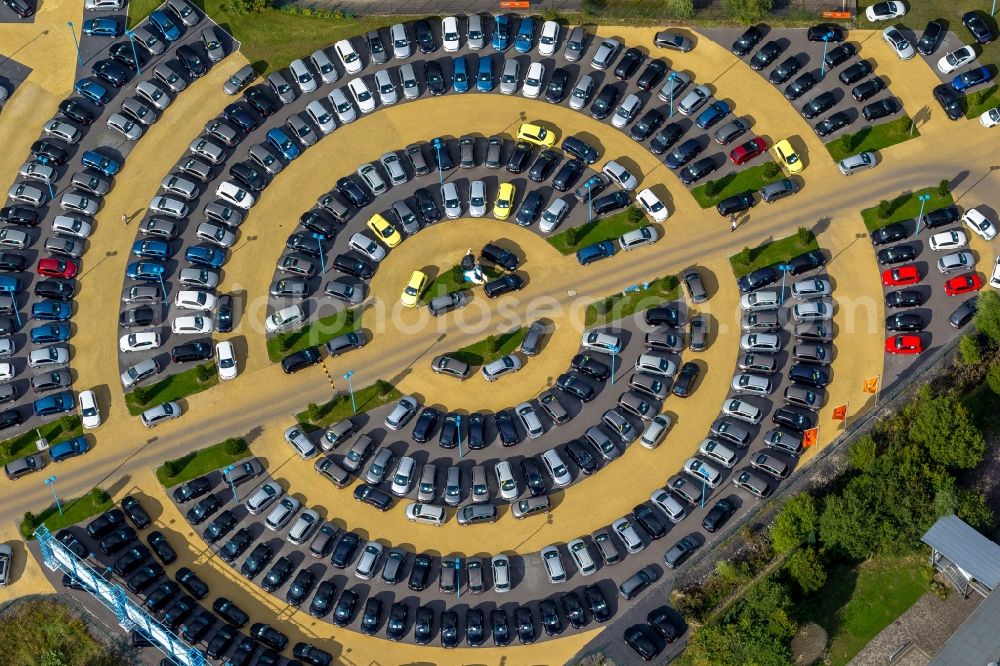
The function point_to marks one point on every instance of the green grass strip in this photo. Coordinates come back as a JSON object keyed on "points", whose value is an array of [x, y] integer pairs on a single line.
{"points": [[202, 461], [752, 179], [338, 409], [174, 387], [772, 252], [619, 306], [906, 206], [22, 445], [872, 137], [314, 333], [607, 228]]}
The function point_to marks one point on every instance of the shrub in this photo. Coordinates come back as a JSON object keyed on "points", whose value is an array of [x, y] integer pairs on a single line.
{"points": [[141, 395], [457, 275], [943, 187], [795, 524], [993, 378], [237, 445], [970, 352], [244, 7], [884, 209], [806, 569], [771, 169], [492, 344], [863, 452], [745, 256], [383, 387], [572, 236], [171, 468], [100, 495], [29, 523], [203, 372], [635, 216], [712, 188], [987, 319], [803, 235], [312, 412]]}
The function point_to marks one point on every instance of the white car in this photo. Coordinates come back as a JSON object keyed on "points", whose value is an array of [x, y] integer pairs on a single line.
{"points": [[366, 246], [451, 201], [533, 80], [652, 205], [995, 276], [554, 569], [128, 128], [362, 96], [7, 372], [638, 237], [477, 198], [141, 341], [849, 165], [284, 318], [24, 193], [752, 384], [956, 59], [885, 11], [620, 175], [387, 93], [557, 469], [234, 194], [322, 118], [104, 5], [425, 513], [348, 56], [901, 45], [549, 38], [449, 34], [62, 130], [194, 299], [225, 360], [990, 118], [303, 77], [811, 288], [980, 224], [90, 414], [191, 325], [506, 482], [949, 240]]}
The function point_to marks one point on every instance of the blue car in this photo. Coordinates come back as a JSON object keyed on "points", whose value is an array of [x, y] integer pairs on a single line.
{"points": [[9, 284], [972, 78], [501, 33], [43, 335], [595, 252], [484, 80], [525, 35], [51, 310], [283, 143], [54, 404], [712, 115], [93, 91], [165, 25], [105, 165], [460, 74], [205, 255], [149, 248], [101, 27], [152, 271], [69, 448]]}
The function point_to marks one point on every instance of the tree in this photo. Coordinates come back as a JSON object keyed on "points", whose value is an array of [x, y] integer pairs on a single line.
{"points": [[745, 256], [863, 452], [100, 495], [680, 9], [803, 235], [170, 468], [795, 524], [771, 169], [203, 372], [312, 412], [884, 209], [987, 318], [806, 568], [993, 378], [383, 387], [712, 188], [572, 236], [943, 188], [29, 523], [236, 445], [944, 426], [973, 509], [635, 215], [970, 352], [141, 395], [747, 11], [492, 344]]}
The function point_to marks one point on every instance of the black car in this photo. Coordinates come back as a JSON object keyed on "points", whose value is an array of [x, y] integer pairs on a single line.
{"points": [[826, 32], [880, 109], [372, 496], [268, 635], [138, 317], [904, 321], [426, 207], [135, 513], [684, 153], [133, 558], [718, 515], [800, 86], [20, 7], [312, 654], [629, 62], [551, 622], [425, 424], [574, 610], [499, 627], [425, 38], [261, 101], [423, 625], [533, 478], [25, 216], [818, 104], [646, 125], [963, 313], [745, 42], [978, 25], [159, 545], [224, 313], [574, 385], [110, 71], [220, 641], [258, 558], [504, 421], [758, 279], [300, 359], [322, 601], [792, 419], [903, 298], [477, 431], [475, 627], [191, 351], [582, 455], [530, 209], [249, 175], [663, 315], [11, 261], [72, 543], [784, 71], [243, 652], [239, 114], [766, 55], [193, 62], [650, 520], [60, 290], [192, 583], [319, 222], [604, 103], [868, 89], [644, 641], [665, 138], [449, 629], [357, 267], [603, 205], [811, 375], [237, 545], [950, 101], [834, 122], [525, 624], [104, 523], [567, 175], [503, 285], [419, 573], [357, 195], [395, 626], [928, 42], [685, 380], [371, 616], [230, 612], [345, 550], [435, 78], [597, 603], [194, 630], [807, 261], [698, 170], [856, 72], [889, 234], [588, 364], [205, 507], [178, 611], [48, 151], [542, 167], [557, 88], [441, 155], [220, 526], [839, 55], [161, 595], [940, 217], [652, 75], [518, 160]]}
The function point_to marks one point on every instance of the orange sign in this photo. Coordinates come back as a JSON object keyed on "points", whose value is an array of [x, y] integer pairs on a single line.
{"points": [[515, 4], [870, 385], [836, 15], [840, 413], [810, 437]]}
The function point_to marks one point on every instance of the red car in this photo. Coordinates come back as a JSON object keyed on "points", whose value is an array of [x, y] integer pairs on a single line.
{"points": [[963, 284], [744, 153], [59, 268], [903, 344], [901, 276]]}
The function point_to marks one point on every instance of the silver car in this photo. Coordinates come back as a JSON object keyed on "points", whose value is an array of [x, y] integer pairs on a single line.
{"points": [[475, 35], [321, 117], [509, 77], [675, 84], [168, 74], [480, 488], [150, 41], [407, 219], [605, 54], [477, 198], [279, 84], [281, 514], [321, 61], [370, 175], [211, 151], [402, 47], [138, 111], [301, 130], [408, 77], [393, 167], [342, 106], [500, 367], [153, 416], [78, 203], [213, 45], [694, 100], [303, 527], [581, 92], [263, 497], [185, 11], [182, 187], [265, 157], [379, 466], [401, 414], [125, 126], [402, 478], [368, 562], [427, 486], [452, 202], [574, 44], [38, 171], [302, 76], [529, 419], [24, 193], [196, 168], [385, 87]]}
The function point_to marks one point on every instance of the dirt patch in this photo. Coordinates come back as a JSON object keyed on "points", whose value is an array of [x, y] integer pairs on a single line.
{"points": [[809, 644]]}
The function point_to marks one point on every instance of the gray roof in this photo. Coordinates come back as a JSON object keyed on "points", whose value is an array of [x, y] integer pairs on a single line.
{"points": [[976, 642], [967, 548]]}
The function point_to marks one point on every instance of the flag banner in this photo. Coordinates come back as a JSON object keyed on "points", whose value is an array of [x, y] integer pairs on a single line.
{"points": [[810, 437], [840, 413], [871, 385]]}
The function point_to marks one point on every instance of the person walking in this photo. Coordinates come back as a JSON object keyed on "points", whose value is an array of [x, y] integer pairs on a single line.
{"points": [[125, 219], [732, 220]]}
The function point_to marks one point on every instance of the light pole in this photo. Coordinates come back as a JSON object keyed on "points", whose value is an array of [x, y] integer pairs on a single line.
{"points": [[135, 56], [613, 354], [459, 424], [670, 92], [590, 205], [79, 57], [437, 147], [51, 483], [232, 486], [924, 198], [458, 578], [784, 268], [319, 247], [822, 63], [350, 387]]}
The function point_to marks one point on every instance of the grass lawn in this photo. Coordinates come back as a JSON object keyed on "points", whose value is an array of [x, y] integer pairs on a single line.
{"points": [[603, 229], [173, 387], [479, 353], [200, 462], [753, 179], [65, 427], [872, 137], [367, 398], [45, 631], [314, 333], [982, 100], [904, 207], [618, 306], [860, 600], [453, 280], [75, 511], [771, 252]]}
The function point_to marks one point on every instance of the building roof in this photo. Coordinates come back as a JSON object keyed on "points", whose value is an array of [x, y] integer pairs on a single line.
{"points": [[976, 642], [968, 549]]}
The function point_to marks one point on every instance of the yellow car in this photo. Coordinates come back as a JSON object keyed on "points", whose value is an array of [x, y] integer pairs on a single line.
{"points": [[384, 231], [415, 287], [536, 134], [787, 157], [504, 202]]}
